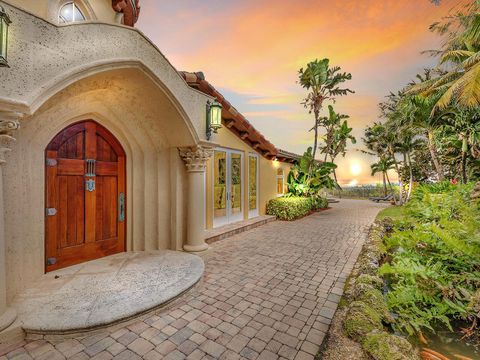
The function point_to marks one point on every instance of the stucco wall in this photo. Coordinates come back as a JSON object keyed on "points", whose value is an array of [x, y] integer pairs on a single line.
{"points": [[267, 187], [45, 58], [149, 127]]}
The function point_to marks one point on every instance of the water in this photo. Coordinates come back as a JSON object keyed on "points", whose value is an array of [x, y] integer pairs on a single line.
{"points": [[450, 344]]}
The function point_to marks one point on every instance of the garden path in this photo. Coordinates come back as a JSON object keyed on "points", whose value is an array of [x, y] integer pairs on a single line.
{"points": [[268, 293]]}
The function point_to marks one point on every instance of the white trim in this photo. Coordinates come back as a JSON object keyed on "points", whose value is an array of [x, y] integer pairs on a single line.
{"points": [[253, 213]]}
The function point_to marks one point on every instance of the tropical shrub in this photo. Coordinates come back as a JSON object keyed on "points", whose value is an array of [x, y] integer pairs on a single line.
{"points": [[308, 177], [291, 208], [434, 263]]}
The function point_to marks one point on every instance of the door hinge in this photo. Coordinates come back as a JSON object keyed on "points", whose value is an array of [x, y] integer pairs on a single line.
{"points": [[51, 211], [51, 261], [51, 162]]}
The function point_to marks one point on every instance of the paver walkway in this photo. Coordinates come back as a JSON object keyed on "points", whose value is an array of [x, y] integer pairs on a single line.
{"points": [[268, 293]]}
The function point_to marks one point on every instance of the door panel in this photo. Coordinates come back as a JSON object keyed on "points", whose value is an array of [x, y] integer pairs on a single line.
{"points": [[85, 177], [236, 188], [252, 186], [220, 188], [227, 187]]}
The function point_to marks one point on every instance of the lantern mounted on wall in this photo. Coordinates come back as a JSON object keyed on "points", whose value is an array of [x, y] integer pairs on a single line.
{"points": [[4, 23], [214, 117]]}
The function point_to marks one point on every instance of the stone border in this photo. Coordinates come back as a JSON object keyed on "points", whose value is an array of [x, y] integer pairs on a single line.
{"points": [[355, 316]]}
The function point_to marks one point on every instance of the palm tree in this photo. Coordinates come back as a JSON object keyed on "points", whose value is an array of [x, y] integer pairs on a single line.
{"points": [[322, 82], [416, 112], [464, 125], [460, 53], [383, 165]]}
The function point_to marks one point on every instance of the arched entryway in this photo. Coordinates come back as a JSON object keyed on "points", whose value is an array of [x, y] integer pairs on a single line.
{"points": [[84, 196]]}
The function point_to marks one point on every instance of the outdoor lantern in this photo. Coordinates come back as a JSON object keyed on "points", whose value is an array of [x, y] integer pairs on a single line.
{"points": [[4, 23], [214, 117]]}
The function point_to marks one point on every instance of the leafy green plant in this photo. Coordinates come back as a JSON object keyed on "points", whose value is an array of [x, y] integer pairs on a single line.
{"points": [[309, 176], [291, 208], [434, 262]]}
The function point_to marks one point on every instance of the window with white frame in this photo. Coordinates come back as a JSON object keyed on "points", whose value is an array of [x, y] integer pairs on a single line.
{"points": [[69, 13]]}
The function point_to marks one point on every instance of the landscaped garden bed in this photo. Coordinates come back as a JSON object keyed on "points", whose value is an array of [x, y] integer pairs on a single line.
{"points": [[414, 292]]}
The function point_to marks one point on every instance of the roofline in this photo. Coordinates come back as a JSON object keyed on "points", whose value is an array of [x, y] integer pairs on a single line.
{"points": [[237, 123]]}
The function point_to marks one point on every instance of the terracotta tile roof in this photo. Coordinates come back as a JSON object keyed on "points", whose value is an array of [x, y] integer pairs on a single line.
{"points": [[232, 119], [287, 156]]}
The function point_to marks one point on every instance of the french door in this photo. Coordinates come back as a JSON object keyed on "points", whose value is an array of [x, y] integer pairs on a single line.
{"points": [[227, 187], [85, 196], [253, 167]]}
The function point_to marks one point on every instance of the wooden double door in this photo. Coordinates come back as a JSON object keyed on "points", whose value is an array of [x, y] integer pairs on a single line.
{"points": [[85, 211]]}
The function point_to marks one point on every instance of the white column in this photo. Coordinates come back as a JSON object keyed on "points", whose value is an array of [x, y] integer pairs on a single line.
{"points": [[8, 126], [196, 162]]}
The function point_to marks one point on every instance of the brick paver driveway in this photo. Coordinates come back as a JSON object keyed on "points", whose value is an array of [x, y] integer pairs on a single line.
{"points": [[268, 293]]}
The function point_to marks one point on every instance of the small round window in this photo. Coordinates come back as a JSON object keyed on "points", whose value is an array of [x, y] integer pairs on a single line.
{"points": [[70, 13]]}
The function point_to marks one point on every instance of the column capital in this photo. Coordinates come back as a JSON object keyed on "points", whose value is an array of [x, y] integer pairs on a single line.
{"points": [[196, 157], [9, 123]]}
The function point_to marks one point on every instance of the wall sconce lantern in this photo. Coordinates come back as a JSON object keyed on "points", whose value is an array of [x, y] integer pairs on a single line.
{"points": [[4, 23], [214, 117]]}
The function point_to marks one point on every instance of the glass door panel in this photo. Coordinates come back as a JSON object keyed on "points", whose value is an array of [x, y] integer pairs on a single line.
{"points": [[227, 183], [252, 186], [220, 187], [235, 196]]}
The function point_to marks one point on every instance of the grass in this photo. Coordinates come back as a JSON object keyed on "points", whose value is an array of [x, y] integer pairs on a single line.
{"points": [[394, 212]]}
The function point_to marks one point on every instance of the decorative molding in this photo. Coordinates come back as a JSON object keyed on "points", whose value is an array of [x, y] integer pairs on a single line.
{"points": [[196, 157], [9, 123]]}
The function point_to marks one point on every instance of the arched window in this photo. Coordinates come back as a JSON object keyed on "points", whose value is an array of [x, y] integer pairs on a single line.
{"points": [[70, 12]]}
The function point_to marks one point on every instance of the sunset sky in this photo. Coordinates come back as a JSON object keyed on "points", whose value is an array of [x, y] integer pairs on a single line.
{"points": [[251, 52]]}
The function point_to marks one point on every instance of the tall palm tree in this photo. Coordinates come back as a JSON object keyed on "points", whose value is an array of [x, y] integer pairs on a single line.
{"points": [[416, 111], [383, 165], [460, 55], [464, 125], [322, 82]]}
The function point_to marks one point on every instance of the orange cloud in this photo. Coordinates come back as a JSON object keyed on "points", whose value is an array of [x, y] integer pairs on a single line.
{"points": [[253, 50]]}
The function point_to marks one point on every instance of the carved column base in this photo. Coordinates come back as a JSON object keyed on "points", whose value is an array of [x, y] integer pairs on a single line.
{"points": [[196, 162]]}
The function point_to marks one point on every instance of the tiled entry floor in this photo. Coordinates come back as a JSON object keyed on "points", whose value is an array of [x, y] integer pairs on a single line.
{"points": [[268, 293]]}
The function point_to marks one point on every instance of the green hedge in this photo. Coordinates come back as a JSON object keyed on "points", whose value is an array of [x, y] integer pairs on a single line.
{"points": [[291, 208]]}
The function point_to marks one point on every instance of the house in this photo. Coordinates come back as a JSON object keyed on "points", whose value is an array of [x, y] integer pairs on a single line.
{"points": [[107, 148]]}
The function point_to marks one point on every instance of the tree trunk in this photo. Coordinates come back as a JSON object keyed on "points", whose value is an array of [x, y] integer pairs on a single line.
{"points": [[315, 142], [433, 153], [384, 184], [391, 188], [400, 181], [463, 167], [410, 183]]}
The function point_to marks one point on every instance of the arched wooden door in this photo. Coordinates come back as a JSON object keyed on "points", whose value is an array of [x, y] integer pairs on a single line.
{"points": [[85, 196]]}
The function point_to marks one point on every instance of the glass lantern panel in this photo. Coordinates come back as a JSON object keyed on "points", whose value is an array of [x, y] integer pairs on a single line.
{"points": [[215, 116], [3, 39]]}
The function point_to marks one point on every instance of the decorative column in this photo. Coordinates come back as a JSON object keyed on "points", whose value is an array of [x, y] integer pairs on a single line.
{"points": [[196, 158], [8, 125]]}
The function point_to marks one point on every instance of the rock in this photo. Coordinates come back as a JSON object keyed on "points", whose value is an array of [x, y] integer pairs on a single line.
{"points": [[374, 281], [374, 299], [385, 346], [360, 320]]}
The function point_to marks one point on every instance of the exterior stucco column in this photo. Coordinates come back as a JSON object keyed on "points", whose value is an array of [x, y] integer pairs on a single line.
{"points": [[8, 125], [196, 162]]}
